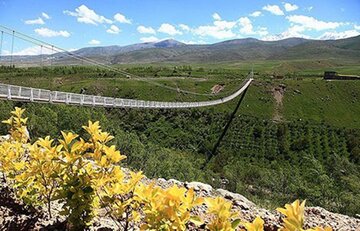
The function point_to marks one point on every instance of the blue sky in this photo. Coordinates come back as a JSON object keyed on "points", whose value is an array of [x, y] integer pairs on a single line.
{"points": [[73, 24]]}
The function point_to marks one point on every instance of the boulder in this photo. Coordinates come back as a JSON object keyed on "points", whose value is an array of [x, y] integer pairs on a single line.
{"points": [[237, 198], [198, 186]]}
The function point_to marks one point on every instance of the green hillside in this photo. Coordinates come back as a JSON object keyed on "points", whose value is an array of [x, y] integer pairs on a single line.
{"points": [[312, 134], [238, 50], [247, 49], [307, 96]]}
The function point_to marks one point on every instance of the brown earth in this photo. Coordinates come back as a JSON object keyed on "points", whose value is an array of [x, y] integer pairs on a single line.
{"points": [[217, 88], [278, 94]]}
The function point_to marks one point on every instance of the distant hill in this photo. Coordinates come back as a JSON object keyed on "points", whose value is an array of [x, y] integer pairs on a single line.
{"points": [[232, 50], [113, 50], [247, 49]]}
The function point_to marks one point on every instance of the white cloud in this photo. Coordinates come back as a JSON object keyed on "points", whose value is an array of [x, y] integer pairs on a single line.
{"points": [[255, 14], [274, 9], [225, 24], [214, 31], [311, 23], [262, 31], [309, 8], [246, 26], [113, 30], [220, 29], [216, 16], [145, 30], [357, 27], [45, 15], [121, 18], [46, 32], [38, 21], [184, 27], [339, 35], [94, 42], [169, 29], [191, 42], [295, 30], [149, 39], [291, 32], [36, 50], [86, 15], [283, 35], [290, 7]]}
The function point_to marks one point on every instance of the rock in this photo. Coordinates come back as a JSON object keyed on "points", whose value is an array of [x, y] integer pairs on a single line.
{"points": [[161, 180], [173, 181], [15, 214], [4, 138], [317, 216], [235, 197], [198, 186]]}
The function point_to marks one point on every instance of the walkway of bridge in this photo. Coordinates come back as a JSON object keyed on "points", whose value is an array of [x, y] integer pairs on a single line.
{"points": [[27, 94]]}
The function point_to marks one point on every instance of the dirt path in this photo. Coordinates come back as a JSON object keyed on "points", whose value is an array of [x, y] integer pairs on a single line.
{"points": [[278, 94]]}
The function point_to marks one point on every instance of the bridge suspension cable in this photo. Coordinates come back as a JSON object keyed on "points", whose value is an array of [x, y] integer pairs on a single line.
{"points": [[12, 48], [1, 43], [52, 47], [19, 93]]}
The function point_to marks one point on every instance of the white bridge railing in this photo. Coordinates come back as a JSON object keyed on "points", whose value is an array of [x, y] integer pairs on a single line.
{"points": [[19, 93]]}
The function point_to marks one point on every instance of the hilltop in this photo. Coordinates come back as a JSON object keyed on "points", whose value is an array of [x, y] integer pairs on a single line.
{"points": [[247, 49]]}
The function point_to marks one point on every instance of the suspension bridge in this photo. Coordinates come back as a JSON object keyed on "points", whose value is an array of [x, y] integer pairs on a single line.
{"points": [[28, 94]]}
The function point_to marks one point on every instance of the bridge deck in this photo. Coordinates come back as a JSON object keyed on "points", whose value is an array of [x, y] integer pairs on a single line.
{"points": [[27, 94]]}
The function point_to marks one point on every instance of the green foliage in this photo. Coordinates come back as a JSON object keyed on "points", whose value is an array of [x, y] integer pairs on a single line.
{"points": [[313, 145], [307, 96]]}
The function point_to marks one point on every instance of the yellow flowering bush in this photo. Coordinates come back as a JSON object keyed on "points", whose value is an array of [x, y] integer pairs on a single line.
{"points": [[84, 173], [294, 218], [256, 225], [167, 209], [220, 209]]}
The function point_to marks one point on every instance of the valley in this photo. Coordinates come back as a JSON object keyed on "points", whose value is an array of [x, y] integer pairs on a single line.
{"points": [[307, 138]]}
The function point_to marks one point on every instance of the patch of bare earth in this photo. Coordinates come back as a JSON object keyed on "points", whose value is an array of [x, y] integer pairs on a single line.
{"points": [[217, 88], [278, 94]]}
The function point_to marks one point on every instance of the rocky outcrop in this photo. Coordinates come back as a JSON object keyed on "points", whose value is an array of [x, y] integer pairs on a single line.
{"points": [[15, 216], [314, 216]]}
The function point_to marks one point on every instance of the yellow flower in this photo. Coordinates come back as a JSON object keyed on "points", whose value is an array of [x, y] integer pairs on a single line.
{"points": [[256, 225], [294, 213], [112, 154], [18, 112], [222, 215], [45, 143], [8, 121], [92, 128], [68, 138]]}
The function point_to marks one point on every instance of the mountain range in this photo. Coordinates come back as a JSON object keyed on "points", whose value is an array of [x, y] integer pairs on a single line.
{"points": [[232, 50]]}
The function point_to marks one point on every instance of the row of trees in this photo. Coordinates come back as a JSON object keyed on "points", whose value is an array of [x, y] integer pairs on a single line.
{"points": [[84, 174], [321, 159]]}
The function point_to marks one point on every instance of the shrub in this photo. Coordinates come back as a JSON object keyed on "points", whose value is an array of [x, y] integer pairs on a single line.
{"points": [[84, 173]]}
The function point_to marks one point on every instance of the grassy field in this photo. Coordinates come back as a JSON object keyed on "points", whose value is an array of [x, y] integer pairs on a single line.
{"points": [[307, 96]]}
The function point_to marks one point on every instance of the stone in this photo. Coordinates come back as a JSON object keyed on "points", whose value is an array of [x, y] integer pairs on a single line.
{"points": [[235, 197], [173, 181], [198, 186]]}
